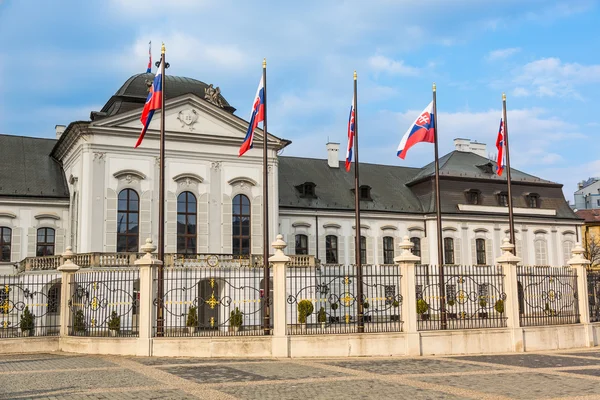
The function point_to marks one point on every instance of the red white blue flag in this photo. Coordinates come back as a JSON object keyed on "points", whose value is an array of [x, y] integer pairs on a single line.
{"points": [[257, 115], [501, 146], [350, 136], [153, 103], [149, 69], [422, 130]]}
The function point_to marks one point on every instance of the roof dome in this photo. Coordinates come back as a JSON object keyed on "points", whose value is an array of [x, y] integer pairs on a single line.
{"points": [[133, 93]]}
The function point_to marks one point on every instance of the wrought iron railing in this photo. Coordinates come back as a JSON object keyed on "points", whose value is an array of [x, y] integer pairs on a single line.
{"points": [[474, 297], [104, 302], [547, 295], [219, 297], [30, 304], [324, 299], [593, 282]]}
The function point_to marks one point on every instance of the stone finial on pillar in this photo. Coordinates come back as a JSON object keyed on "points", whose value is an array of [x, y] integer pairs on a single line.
{"points": [[577, 256], [508, 255], [148, 258], [580, 265], [68, 265], [279, 244], [407, 255]]}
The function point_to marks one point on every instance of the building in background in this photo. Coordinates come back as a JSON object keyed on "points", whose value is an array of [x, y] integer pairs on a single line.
{"points": [[590, 234], [587, 195]]}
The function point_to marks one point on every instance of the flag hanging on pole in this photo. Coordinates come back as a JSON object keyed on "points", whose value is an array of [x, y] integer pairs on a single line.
{"points": [[501, 146], [257, 116], [153, 103], [422, 130], [350, 136], [149, 69]]}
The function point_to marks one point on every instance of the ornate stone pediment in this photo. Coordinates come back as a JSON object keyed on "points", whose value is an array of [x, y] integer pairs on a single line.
{"points": [[188, 118]]}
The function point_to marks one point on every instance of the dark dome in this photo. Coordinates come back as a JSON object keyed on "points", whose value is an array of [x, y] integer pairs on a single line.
{"points": [[133, 93]]}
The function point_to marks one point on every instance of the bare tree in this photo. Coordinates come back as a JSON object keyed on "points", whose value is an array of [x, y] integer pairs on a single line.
{"points": [[592, 250]]}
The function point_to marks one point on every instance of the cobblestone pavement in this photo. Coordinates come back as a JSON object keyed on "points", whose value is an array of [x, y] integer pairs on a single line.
{"points": [[551, 375]]}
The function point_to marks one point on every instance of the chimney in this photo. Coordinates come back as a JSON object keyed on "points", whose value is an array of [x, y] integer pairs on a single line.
{"points": [[59, 130], [333, 158], [461, 144], [479, 149], [466, 145], [580, 185]]}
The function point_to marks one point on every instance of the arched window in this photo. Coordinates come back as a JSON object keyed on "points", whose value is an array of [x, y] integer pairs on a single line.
{"points": [[363, 250], [241, 225], [331, 249], [54, 298], [5, 243], [128, 221], [45, 242], [448, 250], [480, 249], [301, 244], [388, 250], [186, 223], [541, 252], [416, 250]]}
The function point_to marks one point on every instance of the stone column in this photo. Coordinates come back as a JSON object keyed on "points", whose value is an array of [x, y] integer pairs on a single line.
{"points": [[280, 345], [68, 270], [508, 261], [406, 262], [148, 266], [580, 264]]}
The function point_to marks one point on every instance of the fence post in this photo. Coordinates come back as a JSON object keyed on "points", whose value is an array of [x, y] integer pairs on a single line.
{"points": [[508, 261], [147, 265], [67, 270], [406, 262], [580, 264], [278, 263]]}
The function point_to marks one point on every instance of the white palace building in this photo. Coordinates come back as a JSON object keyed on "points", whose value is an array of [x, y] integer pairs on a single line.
{"points": [[90, 190]]}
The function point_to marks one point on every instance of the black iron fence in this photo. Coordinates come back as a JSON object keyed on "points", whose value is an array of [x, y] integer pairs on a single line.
{"points": [[30, 304], [324, 299], [474, 297], [214, 300], [593, 282], [547, 295], [104, 303]]}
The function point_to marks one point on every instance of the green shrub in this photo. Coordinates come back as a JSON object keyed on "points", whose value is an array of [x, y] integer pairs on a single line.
{"points": [[27, 320], [395, 304], [236, 318], [499, 306], [366, 304], [305, 308], [79, 321], [334, 306], [114, 323], [422, 306], [321, 316], [451, 302], [482, 302], [192, 317]]}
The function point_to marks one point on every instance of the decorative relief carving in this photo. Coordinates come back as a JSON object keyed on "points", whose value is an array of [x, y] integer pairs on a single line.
{"points": [[212, 95], [99, 156], [157, 161], [188, 117], [216, 165]]}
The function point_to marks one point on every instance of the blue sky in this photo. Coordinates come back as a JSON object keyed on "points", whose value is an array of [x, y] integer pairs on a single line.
{"points": [[59, 60]]}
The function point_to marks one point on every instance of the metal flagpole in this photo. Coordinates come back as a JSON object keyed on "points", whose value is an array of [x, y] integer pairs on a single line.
{"points": [[161, 202], [266, 276], [438, 211], [359, 280], [511, 220]]}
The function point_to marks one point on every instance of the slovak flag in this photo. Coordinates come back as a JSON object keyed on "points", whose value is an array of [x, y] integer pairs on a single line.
{"points": [[501, 146], [149, 69], [257, 115], [153, 103], [350, 137], [422, 130]]}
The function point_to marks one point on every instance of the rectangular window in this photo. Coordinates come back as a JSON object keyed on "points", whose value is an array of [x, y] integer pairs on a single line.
{"points": [[301, 244], [503, 199], [533, 201], [331, 249], [388, 250], [416, 250], [363, 250], [480, 247], [5, 243], [448, 251], [45, 242]]}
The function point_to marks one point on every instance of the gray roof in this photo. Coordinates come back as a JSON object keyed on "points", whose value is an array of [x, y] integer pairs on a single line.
{"points": [[334, 186], [132, 95], [465, 165], [26, 168]]}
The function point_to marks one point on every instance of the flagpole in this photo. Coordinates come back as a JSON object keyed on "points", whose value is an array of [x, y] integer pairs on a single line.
{"points": [[359, 280], [161, 203], [438, 210], [266, 274], [511, 220]]}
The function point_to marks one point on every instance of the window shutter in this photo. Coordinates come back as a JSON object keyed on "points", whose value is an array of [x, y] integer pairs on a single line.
{"points": [[489, 254], [202, 223], [31, 242], [369, 250], [257, 227], [473, 252], [321, 256], [397, 249], [425, 250], [227, 229], [341, 250], [111, 221], [519, 248], [15, 249], [380, 254], [145, 216], [171, 222], [312, 245], [59, 241], [290, 239], [351, 252], [457, 251]]}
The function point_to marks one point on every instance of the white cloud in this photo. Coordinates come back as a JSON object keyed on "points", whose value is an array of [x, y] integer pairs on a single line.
{"points": [[381, 63], [520, 92], [502, 54]]}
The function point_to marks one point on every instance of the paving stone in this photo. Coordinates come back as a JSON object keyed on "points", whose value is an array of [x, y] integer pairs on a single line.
{"points": [[354, 389], [595, 354], [406, 366], [589, 372], [172, 360], [52, 363], [532, 360], [520, 385]]}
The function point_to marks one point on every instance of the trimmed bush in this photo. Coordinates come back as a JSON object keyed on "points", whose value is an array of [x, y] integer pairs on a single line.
{"points": [[321, 316], [305, 308], [395, 304], [499, 306], [236, 318], [79, 321], [422, 306], [114, 323], [192, 317], [27, 320]]}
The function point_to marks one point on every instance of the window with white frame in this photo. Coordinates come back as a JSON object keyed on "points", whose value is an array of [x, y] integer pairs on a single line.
{"points": [[540, 246]]}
